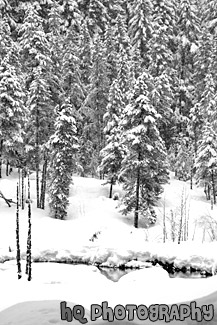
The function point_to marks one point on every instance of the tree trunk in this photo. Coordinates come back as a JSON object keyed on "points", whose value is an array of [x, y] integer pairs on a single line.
{"points": [[207, 191], [37, 158], [29, 243], [164, 222], [22, 188], [7, 168], [43, 184], [213, 187], [136, 215], [111, 187], [19, 272], [191, 180], [19, 184], [1, 148]]}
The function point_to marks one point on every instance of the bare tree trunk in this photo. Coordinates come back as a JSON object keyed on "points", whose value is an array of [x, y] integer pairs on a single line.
{"points": [[191, 180], [43, 184], [37, 158], [164, 222], [111, 187], [22, 188], [1, 148], [207, 190], [136, 215], [19, 186], [7, 168], [19, 271], [183, 202], [29, 242]]}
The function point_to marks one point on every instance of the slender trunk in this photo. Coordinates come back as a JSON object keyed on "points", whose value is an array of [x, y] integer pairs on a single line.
{"points": [[180, 234], [191, 180], [19, 184], [111, 187], [19, 271], [22, 188], [1, 148], [207, 191], [37, 158], [173, 227], [213, 187], [164, 222], [7, 168], [136, 215], [43, 184], [29, 244], [180, 229]]}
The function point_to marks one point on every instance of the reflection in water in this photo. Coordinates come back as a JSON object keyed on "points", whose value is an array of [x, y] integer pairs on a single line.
{"points": [[114, 274], [188, 275]]}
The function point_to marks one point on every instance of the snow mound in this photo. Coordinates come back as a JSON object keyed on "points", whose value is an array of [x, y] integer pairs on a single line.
{"points": [[35, 313], [145, 275]]}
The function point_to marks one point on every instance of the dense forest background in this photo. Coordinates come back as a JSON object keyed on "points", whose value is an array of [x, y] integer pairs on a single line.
{"points": [[122, 90]]}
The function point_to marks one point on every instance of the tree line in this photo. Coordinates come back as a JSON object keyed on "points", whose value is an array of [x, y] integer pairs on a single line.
{"points": [[119, 89]]}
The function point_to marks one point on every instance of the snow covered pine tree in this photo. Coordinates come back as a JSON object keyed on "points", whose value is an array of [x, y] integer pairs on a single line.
{"points": [[144, 167], [63, 148]]}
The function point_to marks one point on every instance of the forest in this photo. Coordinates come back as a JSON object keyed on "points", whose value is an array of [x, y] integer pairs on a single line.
{"points": [[118, 90]]}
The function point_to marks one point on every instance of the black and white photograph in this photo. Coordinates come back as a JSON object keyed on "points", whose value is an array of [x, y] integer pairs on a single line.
{"points": [[108, 162]]}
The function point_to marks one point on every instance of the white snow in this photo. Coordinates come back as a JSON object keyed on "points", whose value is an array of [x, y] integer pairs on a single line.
{"points": [[96, 232]]}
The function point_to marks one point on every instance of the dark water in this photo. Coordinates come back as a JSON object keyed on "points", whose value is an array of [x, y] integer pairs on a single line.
{"points": [[114, 274], [188, 275]]}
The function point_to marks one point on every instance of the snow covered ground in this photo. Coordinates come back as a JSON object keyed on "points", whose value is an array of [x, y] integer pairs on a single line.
{"points": [[96, 232]]}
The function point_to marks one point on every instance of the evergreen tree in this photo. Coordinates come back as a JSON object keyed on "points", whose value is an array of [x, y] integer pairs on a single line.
{"points": [[12, 112], [144, 167], [71, 78], [110, 54], [97, 16], [35, 54], [85, 47], [188, 40], [162, 41], [84, 131], [63, 163], [120, 31], [75, 82], [184, 160], [205, 81], [206, 161], [125, 77], [71, 14], [98, 97], [162, 98], [33, 42], [55, 37], [202, 61], [112, 153], [38, 100], [140, 27], [209, 9], [5, 37], [208, 100]]}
